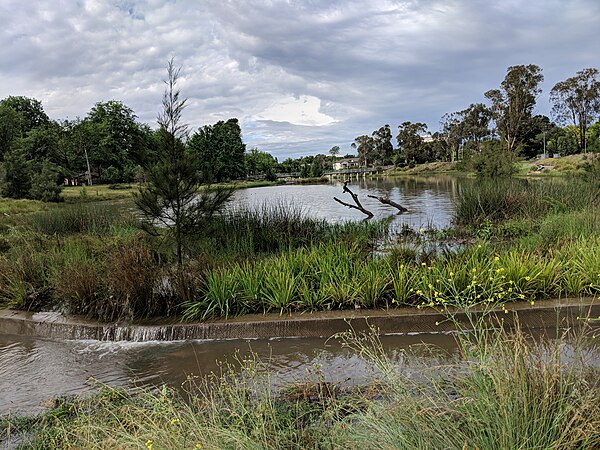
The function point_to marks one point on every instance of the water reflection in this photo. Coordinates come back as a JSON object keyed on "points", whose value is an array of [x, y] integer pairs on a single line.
{"points": [[429, 199]]}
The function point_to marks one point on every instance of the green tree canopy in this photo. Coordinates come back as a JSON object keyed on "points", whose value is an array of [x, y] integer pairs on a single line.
{"points": [[410, 142], [30, 110], [513, 102], [576, 101], [220, 151]]}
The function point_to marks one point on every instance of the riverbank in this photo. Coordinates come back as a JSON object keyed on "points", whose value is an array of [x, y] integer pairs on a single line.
{"points": [[558, 313]]}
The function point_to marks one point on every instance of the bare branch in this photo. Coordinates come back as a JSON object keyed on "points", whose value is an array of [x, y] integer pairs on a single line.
{"points": [[387, 201]]}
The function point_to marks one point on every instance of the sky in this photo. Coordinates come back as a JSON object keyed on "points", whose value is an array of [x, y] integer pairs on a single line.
{"points": [[300, 75]]}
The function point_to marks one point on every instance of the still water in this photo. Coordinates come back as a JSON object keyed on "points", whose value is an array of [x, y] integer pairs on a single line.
{"points": [[34, 370], [429, 199]]}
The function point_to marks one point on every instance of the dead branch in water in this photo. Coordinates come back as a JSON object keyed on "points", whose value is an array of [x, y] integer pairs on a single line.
{"points": [[357, 204], [387, 201]]}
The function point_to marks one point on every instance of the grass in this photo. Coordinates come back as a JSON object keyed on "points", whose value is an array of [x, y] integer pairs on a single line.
{"points": [[496, 201], [508, 392]]}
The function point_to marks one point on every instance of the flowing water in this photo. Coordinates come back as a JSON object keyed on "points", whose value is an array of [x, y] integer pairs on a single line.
{"points": [[35, 370]]}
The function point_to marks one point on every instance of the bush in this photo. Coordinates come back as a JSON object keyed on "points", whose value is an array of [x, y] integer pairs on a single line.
{"points": [[494, 161]]}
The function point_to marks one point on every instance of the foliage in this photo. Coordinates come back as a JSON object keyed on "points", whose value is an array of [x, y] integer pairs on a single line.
{"points": [[513, 103], [45, 183], [410, 142], [577, 101], [170, 198], [219, 151], [15, 175], [260, 163], [494, 161]]}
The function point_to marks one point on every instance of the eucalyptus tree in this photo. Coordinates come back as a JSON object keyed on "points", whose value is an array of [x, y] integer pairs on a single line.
{"points": [[410, 141], [171, 199], [512, 104], [365, 146], [576, 101], [382, 145]]}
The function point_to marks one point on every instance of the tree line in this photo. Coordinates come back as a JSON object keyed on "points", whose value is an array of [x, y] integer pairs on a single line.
{"points": [[110, 145], [506, 123]]}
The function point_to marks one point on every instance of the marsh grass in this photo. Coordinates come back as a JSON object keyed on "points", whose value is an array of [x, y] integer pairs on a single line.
{"points": [[89, 218], [500, 200], [508, 392]]}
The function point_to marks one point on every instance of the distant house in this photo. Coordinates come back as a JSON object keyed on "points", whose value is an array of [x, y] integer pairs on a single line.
{"points": [[427, 138], [346, 163]]}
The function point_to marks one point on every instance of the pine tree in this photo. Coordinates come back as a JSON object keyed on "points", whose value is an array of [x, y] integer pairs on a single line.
{"points": [[170, 201]]}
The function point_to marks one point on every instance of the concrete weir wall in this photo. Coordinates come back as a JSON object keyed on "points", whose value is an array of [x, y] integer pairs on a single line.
{"points": [[544, 314]]}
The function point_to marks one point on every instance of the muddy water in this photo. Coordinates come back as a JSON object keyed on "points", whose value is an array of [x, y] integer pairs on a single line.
{"points": [[429, 199], [33, 370]]}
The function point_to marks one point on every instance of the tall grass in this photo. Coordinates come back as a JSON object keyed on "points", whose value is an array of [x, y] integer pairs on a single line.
{"points": [[500, 200], [89, 218], [335, 276], [509, 393]]}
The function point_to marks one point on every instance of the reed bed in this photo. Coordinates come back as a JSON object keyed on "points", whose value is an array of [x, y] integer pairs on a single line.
{"points": [[500, 200]]}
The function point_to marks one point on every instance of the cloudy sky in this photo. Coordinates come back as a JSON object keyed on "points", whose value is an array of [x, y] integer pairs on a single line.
{"points": [[300, 75]]}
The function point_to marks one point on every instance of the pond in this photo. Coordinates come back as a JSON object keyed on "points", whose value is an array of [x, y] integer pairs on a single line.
{"points": [[429, 199]]}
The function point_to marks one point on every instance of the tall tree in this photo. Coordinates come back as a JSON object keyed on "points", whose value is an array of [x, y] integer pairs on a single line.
{"points": [[576, 101], [410, 141], [382, 145], [513, 102], [475, 125], [365, 146], [220, 150], [31, 112], [170, 198], [451, 135], [114, 137]]}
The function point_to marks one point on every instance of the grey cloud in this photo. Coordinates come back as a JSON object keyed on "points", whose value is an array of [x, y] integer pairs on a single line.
{"points": [[369, 62]]}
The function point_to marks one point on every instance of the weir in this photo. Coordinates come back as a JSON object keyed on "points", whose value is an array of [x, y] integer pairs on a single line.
{"points": [[544, 314]]}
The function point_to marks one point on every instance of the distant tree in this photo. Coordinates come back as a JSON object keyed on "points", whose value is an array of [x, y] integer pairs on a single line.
{"points": [[513, 103], [383, 149], [10, 128], [410, 142], [475, 125], [46, 183], [534, 136], [43, 143], [290, 165], [317, 168], [334, 151], [365, 146], [451, 135], [593, 138], [576, 101], [260, 163], [170, 198], [113, 138], [220, 150], [30, 110]]}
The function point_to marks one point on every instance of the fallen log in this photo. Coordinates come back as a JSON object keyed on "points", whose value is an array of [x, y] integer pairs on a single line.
{"points": [[387, 201], [357, 204]]}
